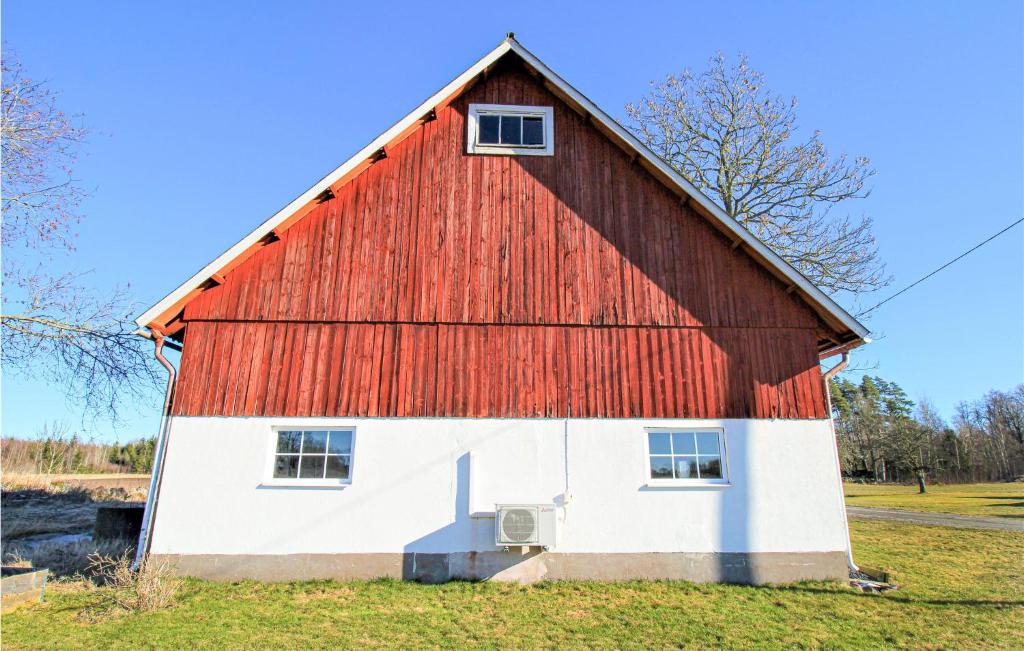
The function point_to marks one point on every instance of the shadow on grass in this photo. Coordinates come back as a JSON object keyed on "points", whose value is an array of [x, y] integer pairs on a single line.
{"points": [[991, 603], [997, 497], [1019, 505]]}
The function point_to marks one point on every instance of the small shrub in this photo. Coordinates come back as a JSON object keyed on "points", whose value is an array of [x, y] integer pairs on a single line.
{"points": [[151, 587]]}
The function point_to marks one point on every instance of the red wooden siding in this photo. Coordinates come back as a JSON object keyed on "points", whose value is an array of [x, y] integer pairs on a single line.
{"points": [[433, 235], [316, 369], [442, 284]]}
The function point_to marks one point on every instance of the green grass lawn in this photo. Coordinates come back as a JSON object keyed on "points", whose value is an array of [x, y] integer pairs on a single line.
{"points": [[1004, 500], [961, 589]]}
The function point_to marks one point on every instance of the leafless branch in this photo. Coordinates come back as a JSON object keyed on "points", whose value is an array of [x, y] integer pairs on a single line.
{"points": [[60, 333], [52, 326], [725, 133]]}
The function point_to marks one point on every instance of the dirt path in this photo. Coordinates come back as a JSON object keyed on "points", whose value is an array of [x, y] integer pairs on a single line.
{"points": [[939, 519]]}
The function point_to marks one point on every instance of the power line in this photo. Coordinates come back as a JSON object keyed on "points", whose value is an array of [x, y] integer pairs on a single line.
{"points": [[924, 278]]}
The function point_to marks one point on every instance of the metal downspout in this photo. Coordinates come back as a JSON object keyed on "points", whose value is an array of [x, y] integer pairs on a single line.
{"points": [[835, 448], [145, 539]]}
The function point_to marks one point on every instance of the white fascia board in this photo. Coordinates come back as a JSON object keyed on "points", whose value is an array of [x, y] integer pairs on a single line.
{"points": [[731, 224], [787, 270], [266, 227]]}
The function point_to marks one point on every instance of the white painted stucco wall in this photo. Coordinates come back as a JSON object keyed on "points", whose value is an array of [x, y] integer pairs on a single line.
{"points": [[413, 488]]}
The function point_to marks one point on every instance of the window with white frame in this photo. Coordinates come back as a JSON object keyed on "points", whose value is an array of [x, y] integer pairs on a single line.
{"points": [[309, 454], [686, 455], [505, 129]]}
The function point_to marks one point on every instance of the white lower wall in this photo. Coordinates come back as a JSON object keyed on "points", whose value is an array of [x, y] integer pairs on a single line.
{"points": [[413, 488]]}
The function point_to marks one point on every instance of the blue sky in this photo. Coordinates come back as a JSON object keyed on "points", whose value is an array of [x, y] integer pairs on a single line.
{"points": [[206, 118]]}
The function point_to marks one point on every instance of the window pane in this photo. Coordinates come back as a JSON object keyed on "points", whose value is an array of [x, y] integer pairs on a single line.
{"points": [[682, 443], [707, 443], [314, 442], [511, 130], [711, 467], [311, 467], [337, 466], [289, 441], [286, 467], [488, 129], [661, 467], [659, 443], [686, 467], [340, 443], [533, 131]]}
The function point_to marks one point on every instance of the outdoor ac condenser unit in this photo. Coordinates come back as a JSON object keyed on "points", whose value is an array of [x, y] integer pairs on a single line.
{"points": [[526, 525]]}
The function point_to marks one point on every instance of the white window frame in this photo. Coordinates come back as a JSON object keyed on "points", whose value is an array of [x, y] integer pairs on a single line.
{"points": [[722, 445], [473, 146], [271, 454]]}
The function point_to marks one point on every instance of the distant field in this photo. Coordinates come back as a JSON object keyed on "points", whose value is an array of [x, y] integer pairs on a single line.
{"points": [[1003, 500], [128, 481]]}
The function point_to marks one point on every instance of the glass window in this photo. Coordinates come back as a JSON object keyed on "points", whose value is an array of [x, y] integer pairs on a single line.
{"points": [[313, 454], [286, 466], [337, 467], [533, 131], [314, 442], [489, 128], [511, 130], [660, 443], [661, 467], [686, 455], [289, 442], [500, 128]]}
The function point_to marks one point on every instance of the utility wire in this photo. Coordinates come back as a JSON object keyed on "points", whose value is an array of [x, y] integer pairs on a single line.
{"points": [[924, 278]]}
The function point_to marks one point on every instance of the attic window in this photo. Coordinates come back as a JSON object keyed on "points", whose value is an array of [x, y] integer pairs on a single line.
{"points": [[510, 130]]}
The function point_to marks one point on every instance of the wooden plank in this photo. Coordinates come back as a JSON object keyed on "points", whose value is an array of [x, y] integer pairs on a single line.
{"points": [[497, 373], [436, 283]]}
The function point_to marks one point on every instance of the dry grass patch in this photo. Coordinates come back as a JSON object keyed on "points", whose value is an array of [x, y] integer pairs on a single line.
{"points": [[336, 593], [152, 586]]}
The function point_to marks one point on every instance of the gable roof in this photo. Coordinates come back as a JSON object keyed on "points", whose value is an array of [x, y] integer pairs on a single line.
{"points": [[850, 332]]}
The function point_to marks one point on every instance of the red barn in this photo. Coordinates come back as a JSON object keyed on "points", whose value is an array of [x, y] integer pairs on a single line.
{"points": [[504, 340]]}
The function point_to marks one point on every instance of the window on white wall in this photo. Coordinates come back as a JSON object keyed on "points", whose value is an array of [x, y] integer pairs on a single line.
{"points": [[686, 456], [510, 130], [313, 455]]}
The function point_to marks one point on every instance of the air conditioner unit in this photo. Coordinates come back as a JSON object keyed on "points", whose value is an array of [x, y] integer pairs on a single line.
{"points": [[526, 525]]}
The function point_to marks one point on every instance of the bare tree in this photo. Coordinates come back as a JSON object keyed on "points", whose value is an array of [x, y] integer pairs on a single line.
{"points": [[1005, 413], [52, 326], [39, 145], [906, 444], [734, 140]]}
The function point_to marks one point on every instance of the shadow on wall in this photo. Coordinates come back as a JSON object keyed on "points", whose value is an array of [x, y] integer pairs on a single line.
{"points": [[686, 262], [735, 510], [425, 560]]}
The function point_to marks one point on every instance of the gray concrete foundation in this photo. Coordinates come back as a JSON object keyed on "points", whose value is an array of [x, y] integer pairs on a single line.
{"points": [[533, 565]]}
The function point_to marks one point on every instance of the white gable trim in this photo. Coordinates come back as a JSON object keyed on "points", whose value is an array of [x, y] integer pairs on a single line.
{"points": [[323, 184], [510, 44]]}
